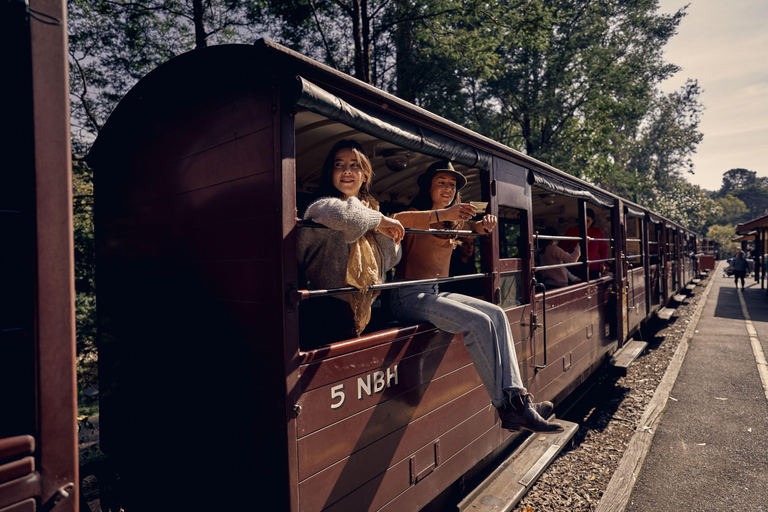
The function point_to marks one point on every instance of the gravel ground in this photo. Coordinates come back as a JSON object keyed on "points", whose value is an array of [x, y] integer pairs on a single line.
{"points": [[607, 419]]}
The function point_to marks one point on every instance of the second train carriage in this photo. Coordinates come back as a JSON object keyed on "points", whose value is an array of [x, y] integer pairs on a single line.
{"points": [[212, 397]]}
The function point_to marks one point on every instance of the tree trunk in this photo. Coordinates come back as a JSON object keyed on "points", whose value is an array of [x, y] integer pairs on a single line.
{"points": [[403, 36], [201, 38]]}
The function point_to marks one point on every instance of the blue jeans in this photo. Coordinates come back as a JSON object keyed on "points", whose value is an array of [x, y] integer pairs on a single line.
{"points": [[486, 330]]}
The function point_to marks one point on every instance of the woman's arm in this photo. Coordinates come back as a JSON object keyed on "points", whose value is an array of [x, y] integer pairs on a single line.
{"points": [[415, 219], [574, 255], [486, 225], [350, 217]]}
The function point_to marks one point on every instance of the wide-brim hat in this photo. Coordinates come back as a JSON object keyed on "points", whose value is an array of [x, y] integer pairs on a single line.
{"points": [[425, 179]]}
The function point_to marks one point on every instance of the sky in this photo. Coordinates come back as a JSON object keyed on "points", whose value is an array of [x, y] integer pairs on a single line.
{"points": [[724, 45]]}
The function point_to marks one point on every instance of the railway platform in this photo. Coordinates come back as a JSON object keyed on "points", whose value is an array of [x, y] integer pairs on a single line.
{"points": [[707, 449]]}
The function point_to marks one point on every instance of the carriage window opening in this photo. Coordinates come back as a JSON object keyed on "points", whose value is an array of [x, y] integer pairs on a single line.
{"points": [[394, 186], [513, 248], [634, 242], [558, 261], [653, 244]]}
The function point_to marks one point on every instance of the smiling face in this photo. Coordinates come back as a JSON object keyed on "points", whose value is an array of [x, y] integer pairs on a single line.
{"points": [[443, 190], [347, 175]]}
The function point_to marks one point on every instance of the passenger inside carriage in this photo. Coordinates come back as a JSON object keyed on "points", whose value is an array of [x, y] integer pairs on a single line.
{"points": [[359, 247], [552, 254], [486, 329], [596, 250], [463, 263]]}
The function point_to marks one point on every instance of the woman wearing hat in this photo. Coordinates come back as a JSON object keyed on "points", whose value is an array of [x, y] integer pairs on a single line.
{"points": [[487, 334], [360, 246]]}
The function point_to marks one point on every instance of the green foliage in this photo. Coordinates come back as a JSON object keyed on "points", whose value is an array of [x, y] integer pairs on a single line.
{"points": [[722, 234], [732, 210], [85, 266], [683, 203], [736, 179], [112, 44], [755, 197], [578, 81]]}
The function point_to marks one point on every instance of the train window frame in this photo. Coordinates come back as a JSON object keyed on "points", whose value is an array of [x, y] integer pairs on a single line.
{"points": [[556, 211], [512, 291], [636, 236], [392, 200]]}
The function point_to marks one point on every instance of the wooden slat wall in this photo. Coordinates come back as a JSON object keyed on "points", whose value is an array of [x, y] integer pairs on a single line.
{"points": [[192, 298]]}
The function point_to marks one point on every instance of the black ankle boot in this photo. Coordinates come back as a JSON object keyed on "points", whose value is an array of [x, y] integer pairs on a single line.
{"points": [[519, 413]]}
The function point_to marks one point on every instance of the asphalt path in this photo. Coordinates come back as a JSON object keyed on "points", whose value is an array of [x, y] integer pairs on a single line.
{"points": [[710, 449]]}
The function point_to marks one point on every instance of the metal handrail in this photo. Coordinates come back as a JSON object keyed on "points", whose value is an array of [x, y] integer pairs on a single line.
{"points": [[299, 295], [460, 232], [555, 237], [559, 265]]}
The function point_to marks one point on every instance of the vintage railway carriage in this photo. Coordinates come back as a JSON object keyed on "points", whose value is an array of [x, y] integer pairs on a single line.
{"points": [[38, 437], [212, 395]]}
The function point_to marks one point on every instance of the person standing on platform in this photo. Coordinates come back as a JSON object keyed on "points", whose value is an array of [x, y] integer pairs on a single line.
{"points": [[740, 266]]}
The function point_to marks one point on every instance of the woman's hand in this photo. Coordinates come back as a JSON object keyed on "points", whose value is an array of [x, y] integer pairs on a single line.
{"points": [[391, 228], [489, 222], [459, 211]]}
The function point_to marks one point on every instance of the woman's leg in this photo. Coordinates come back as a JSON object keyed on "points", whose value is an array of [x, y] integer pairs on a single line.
{"points": [[489, 341], [487, 335]]}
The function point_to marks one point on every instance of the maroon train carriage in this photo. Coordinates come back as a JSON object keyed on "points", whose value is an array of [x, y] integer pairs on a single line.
{"points": [[38, 438], [211, 394]]}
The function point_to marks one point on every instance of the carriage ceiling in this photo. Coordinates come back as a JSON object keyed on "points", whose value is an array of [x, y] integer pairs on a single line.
{"points": [[395, 169]]}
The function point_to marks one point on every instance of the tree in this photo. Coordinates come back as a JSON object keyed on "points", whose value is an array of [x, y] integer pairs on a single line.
{"points": [[683, 203], [755, 198], [85, 266], [669, 136], [113, 43], [580, 78], [736, 179], [722, 234], [732, 210]]}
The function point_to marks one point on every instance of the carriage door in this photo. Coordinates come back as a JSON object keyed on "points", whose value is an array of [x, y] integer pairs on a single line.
{"points": [[512, 282], [620, 280]]}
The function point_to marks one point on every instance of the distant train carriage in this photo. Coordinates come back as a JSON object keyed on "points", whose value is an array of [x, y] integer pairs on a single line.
{"points": [[212, 395]]}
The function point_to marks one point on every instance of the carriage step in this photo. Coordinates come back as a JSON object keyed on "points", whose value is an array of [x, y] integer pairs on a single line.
{"points": [[680, 298], [665, 313], [627, 354], [507, 485], [695, 281], [690, 287]]}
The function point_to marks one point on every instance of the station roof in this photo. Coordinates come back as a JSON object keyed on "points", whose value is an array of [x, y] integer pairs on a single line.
{"points": [[760, 222]]}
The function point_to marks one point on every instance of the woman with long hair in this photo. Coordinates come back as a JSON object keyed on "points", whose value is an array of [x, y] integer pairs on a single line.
{"points": [[359, 245], [486, 329]]}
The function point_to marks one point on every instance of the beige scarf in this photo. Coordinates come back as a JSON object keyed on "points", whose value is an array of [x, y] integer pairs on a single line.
{"points": [[363, 271]]}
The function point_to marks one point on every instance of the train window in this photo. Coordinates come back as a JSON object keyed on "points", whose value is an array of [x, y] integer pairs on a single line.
{"points": [[653, 243], [513, 244], [394, 186], [555, 217], [634, 242]]}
